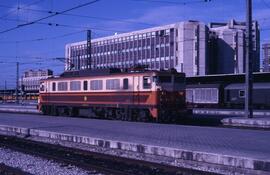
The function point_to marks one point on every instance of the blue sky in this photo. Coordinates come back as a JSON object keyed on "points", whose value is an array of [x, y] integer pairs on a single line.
{"points": [[105, 18]]}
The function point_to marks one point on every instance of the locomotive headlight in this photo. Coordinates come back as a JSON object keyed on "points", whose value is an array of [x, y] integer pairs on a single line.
{"points": [[159, 88], [181, 93]]}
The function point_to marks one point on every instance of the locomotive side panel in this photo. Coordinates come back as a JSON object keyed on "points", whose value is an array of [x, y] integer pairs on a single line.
{"points": [[113, 92]]}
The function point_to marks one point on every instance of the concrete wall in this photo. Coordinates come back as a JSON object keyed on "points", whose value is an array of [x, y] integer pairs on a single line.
{"points": [[193, 37], [230, 51], [266, 57]]}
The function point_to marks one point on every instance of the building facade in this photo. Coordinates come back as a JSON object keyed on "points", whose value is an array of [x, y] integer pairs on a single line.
{"points": [[231, 47], [229, 51], [190, 47], [182, 46], [266, 57], [30, 80]]}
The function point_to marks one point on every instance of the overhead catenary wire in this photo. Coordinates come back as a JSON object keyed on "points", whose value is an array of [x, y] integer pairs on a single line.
{"points": [[43, 38], [52, 15], [173, 2], [71, 26], [14, 10], [265, 3], [83, 16]]}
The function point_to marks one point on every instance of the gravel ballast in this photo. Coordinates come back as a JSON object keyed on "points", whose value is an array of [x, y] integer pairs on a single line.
{"points": [[37, 165]]}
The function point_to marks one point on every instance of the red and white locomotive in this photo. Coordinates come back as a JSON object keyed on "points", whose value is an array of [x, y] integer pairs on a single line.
{"points": [[135, 95]]}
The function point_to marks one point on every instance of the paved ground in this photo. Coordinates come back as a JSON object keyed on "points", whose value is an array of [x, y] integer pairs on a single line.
{"points": [[226, 141], [255, 122], [13, 105], [29, 109], [229, 112]]}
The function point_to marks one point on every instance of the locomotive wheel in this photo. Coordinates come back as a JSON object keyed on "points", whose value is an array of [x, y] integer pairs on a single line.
{"points": [[118, 114], [44, 110], [108, 113], [74, 112], [54, 111], [142, 116]]}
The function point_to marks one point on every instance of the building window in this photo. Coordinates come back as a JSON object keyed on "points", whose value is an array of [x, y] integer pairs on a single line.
{"points": [[113, 84], [85, 85], [75, 85], [62, 86], [53, 86], [125, 83], [147, 82], [96, 85], [242, 94], [196, 46]]}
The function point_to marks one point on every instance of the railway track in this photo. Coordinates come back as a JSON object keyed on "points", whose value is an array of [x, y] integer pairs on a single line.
{"points": [[90, 161], [6, 170]]}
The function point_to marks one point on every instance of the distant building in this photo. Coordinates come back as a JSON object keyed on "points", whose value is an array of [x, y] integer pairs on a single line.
{"points": [[266, 57], [182, 46], [190, 47], [30, 80], [230, 47], [229, 51]]}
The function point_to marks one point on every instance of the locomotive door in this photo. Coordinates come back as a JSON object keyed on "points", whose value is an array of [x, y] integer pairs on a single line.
{"points": [[136, 90]]}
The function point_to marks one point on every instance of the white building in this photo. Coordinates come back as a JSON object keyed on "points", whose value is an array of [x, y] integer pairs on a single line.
{"points": [[30, 80], [231, 47], [266, 57], [182, 46]]}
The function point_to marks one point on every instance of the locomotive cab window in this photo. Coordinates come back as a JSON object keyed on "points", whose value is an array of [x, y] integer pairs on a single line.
{"points": [[125, 83], [146, 82], [42, 87], [53, 86], [165, 79], [85, 85], [179, 79], [162, 79], [242, 94]]}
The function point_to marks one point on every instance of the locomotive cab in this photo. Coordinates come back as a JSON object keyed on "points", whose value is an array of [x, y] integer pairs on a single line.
{"points": [[41, 90], [169, 82], [170, 89]]}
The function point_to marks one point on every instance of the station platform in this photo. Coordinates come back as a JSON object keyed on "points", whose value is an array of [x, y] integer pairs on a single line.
{"points": [[217, 150], [255, 122], [229, 112], [19, 108]]}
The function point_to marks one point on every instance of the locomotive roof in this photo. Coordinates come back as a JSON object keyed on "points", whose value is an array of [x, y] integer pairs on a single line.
{"points": [[107, 72]]}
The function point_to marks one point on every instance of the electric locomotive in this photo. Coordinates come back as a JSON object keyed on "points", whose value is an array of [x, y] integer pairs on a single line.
{"points": [[147, 95]]}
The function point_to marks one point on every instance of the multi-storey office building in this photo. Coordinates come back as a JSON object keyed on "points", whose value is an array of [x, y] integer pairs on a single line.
{"points": [[229, 51], [180, 45], [231, 46], [266, 57], [30, 80]]}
